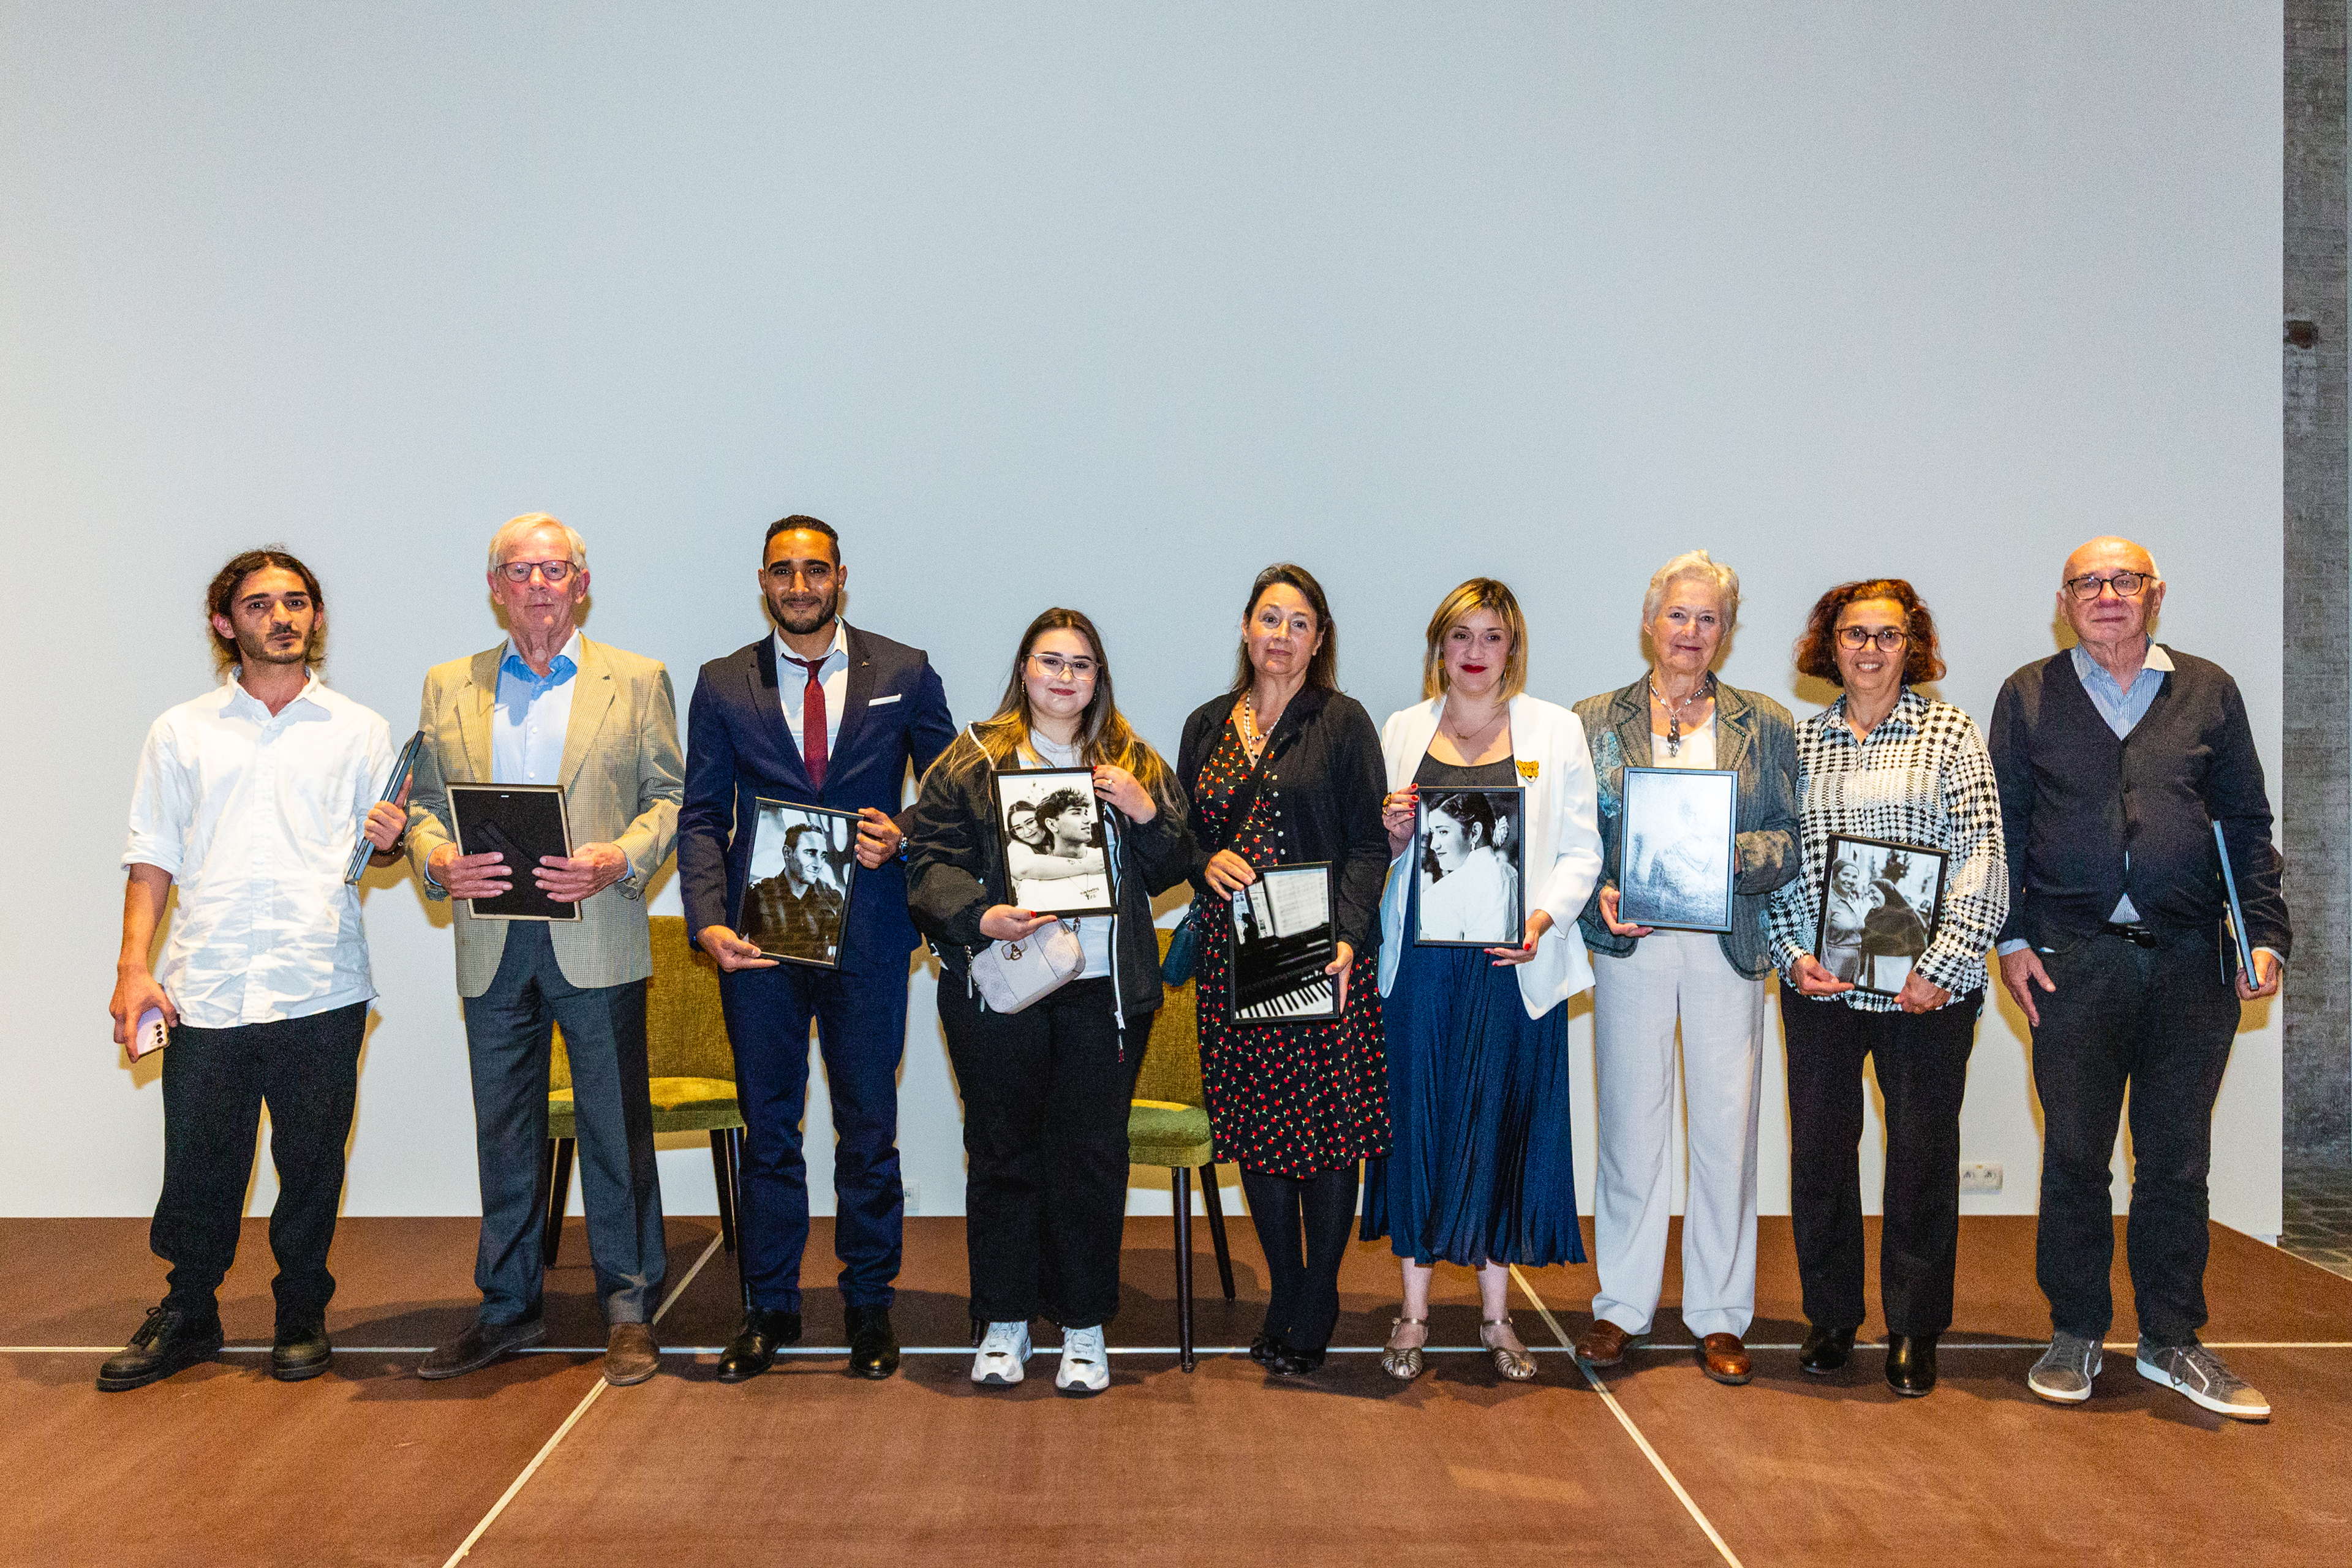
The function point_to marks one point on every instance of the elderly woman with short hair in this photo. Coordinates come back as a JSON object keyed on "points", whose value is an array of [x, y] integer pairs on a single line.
{"points": [[1647, 982]]}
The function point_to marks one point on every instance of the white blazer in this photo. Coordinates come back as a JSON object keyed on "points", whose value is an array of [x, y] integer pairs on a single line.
{"points": [[1563, 841]]}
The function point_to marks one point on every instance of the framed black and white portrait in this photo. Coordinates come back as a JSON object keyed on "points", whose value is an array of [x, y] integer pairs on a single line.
{"points": [[1677, 862], [796, 894], [1468, 849], [523, 823], [1051, 828], [1879, 904], [1285, 937]]}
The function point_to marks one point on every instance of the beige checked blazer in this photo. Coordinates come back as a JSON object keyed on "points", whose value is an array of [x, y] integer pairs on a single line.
{"points": [[623, 778]]}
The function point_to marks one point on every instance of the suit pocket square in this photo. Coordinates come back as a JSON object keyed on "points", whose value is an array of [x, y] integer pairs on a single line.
{"points": [[878, 702]]}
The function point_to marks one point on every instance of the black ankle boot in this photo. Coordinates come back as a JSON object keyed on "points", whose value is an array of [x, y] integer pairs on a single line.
{"points": [[1825, 1351], [1911, 1363]]}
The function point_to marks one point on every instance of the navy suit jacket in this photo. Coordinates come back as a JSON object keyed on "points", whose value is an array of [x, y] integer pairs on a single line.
{"points": [[895, 712]]}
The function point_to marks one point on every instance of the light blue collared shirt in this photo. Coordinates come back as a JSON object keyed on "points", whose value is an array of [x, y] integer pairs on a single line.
{"points": [[533, 711]]}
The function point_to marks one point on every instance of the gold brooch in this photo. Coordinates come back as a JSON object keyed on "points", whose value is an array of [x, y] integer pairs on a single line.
{"points": [[1529, 768]]}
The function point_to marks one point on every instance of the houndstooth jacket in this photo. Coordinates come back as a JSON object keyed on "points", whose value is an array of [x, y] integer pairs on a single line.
{"points": [[1923, 776]]}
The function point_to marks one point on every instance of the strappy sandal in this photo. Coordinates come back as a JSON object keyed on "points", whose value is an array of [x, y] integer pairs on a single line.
{"points": [[1403, 1361], [1517, 1365]]}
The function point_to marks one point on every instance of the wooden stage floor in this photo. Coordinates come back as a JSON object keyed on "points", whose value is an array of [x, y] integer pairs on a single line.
{"points": [[535, 1462]]}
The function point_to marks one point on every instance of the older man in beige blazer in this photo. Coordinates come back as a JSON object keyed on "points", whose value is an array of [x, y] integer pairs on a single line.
{"points": [[551, 706]]}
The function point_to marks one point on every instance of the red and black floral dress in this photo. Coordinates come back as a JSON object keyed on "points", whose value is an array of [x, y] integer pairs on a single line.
{"points": [[1291, 1100]]}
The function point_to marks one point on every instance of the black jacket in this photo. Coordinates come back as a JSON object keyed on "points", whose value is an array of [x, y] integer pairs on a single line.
{"points": [[2074, 799], [1324, 779], [955, 873]]}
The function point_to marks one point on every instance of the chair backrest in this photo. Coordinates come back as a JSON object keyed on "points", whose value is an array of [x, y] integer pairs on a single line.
{"points": [[686, 1035], [1171, 1057]]}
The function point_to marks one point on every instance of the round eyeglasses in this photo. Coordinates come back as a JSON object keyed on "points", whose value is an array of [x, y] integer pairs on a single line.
{"points": [[1888, 638]]}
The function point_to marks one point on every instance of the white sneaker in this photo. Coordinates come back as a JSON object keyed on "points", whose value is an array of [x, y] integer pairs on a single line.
{"points": [[1086, 1368], [1002, 1351]]}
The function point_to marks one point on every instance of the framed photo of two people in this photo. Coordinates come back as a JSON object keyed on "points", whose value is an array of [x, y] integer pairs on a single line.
{"points": [[1057, 854], [1879, 901], [1678, 862], [1469, 855], [796, 891]]}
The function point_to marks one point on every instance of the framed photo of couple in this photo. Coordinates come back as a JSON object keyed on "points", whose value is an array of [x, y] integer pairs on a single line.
{"points": [[796, 892], [1879, 904], [1469, 854], [1057, 853]]}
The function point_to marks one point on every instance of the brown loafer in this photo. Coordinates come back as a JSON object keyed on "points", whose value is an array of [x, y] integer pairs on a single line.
{"points": [[1604, 1344], [630, 1354], [1725, 1359]]}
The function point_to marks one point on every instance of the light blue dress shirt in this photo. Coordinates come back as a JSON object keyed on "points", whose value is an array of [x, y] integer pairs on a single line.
{"points": [[532, 712]]}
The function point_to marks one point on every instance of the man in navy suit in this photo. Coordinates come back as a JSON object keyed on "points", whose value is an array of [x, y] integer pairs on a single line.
{"points": [[825, 714]]}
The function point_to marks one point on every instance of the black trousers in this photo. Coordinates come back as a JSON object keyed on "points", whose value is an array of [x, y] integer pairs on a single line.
{"points": [[215, 1081], [2161, 1022], [1304, 1224], [1046, 1093], [1922, 1059], [510, 1031]]}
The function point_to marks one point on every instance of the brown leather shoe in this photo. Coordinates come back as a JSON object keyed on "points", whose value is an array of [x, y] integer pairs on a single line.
{"points": [[1604, 1344], [1725, 1359], [630, 1354]]}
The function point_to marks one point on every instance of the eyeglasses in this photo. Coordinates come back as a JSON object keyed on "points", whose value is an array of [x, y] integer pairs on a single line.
{"points": [[520, 571], [2126, 585], [1060, 668], [1888, 638]]}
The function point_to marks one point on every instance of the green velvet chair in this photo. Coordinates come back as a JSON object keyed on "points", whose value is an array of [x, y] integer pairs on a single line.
{"points": [[1169, 1125], [692, 1071]]}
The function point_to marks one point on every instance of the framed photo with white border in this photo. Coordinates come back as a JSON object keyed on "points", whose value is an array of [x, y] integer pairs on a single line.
{"points": [[1676, 865], [1049, 827], [1469, 847]]}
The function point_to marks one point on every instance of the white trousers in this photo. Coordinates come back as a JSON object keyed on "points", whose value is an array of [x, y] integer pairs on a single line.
{"points": [[1671, 975]]}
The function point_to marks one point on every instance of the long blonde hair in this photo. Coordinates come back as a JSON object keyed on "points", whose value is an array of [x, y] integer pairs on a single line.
{"points": [[1104, 737]]}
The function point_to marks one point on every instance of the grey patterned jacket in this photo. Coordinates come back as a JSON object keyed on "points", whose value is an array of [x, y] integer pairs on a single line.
{"points": [[1755, 738]]}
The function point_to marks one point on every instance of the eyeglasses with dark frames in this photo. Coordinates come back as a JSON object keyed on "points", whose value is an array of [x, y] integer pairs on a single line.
{"points": [[2126, 584], [1888, 638], [554, 571]]}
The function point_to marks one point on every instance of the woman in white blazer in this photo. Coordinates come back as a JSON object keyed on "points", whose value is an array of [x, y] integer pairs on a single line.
{"points": [[1480, 1171]]}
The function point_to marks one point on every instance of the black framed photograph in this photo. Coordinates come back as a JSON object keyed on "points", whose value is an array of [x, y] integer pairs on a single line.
{"points": [[523, 823], [797, 886], [1285, 937], [1469, 846], [1879, 903], [1050, 826], [1677, 862]]}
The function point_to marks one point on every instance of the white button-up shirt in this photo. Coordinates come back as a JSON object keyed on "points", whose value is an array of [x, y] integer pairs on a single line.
{"points": [[255, 817], [532, 713], [831, 677]]}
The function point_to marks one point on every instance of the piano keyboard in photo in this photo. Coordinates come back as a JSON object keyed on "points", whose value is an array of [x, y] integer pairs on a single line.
{"points": [[1316, 999]]}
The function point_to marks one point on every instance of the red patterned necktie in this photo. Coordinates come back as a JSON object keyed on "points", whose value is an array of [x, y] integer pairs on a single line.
{"points": [[812, 753]]}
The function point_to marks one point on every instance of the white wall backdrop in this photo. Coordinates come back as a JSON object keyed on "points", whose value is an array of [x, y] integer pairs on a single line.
{"points": [[1106, 306]]}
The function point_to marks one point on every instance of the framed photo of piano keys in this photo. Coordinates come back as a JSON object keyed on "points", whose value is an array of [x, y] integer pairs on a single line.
{"points": [[1285, 937]]}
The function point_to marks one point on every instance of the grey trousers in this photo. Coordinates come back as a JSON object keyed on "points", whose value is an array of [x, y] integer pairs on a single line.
{"points": [[509, 1034]]}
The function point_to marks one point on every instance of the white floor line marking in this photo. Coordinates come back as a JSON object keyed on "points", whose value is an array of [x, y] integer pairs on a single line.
{"points": [[1656, 1463], [569, 1421]]}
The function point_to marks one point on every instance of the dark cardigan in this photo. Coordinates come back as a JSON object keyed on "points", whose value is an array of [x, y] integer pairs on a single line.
{"points": [[2074, 799], [955, 871], [1324, 780]]}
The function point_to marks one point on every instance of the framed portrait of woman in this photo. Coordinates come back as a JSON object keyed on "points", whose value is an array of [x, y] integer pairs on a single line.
{"points": [[1677, 864], [1050, 829], [796, 891], [1469, 846], [1879, 903]]}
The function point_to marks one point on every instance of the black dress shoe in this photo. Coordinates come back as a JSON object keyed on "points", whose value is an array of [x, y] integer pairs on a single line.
{"points": [[1911, 1363], [1262, 1346], [754, 1348], [480, 1345], [1285, 1360], [300, 1351], [1825, 1351], [170, 1340], [872, 1348]]}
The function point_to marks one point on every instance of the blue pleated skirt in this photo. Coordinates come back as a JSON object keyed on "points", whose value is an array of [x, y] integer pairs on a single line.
{"points": [[1480, 1167]]}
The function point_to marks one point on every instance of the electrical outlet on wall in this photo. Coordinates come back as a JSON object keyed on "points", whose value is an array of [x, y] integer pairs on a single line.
{"points": [[1979, 1176], [915, 1195]]}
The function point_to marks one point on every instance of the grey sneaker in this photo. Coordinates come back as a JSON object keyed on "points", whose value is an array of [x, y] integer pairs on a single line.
{"points": [[2063, 1373], [2197, 1372]]}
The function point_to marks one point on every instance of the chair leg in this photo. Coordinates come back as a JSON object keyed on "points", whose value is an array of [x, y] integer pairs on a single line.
{"points": [[1215, 1203], [1180, 1180], [546, 1185], [559, 1196], [735, 1186], [723, 1178]]}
